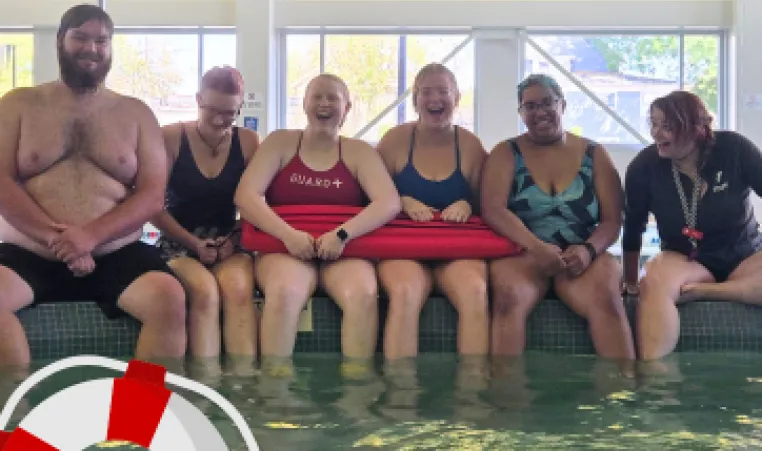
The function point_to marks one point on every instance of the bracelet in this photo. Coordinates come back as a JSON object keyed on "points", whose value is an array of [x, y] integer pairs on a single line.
{"points": [[591, 250]]}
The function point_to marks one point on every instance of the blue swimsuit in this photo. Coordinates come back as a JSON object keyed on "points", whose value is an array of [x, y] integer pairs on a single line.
{"points": [[436, 194]]}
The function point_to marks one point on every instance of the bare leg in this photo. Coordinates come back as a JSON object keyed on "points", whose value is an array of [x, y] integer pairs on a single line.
{"points": [[516, 289], [287, 284], [743, 285], [408, 285], [658, 322], [352, 283], [157, 300], [236, 280], [15, 294], [595, 295], [204, 300], [464, 282]]}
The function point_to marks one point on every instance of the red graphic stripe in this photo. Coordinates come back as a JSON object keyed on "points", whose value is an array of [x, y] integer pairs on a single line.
{"points": [[22, 440], [138, 402], [4, 436]]}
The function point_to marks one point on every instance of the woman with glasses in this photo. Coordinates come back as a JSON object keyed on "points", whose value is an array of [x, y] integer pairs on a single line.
{"points": [[697, 183], [559, 196], [200, 234]]}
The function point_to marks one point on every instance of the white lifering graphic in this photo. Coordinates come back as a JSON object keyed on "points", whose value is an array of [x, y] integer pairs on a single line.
{"points": [[137, 408]]}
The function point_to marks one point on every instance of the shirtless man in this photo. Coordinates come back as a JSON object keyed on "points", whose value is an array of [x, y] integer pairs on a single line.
{"points": [[81, 170]]}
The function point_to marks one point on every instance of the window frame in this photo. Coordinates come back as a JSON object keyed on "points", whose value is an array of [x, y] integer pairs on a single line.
{"points": [[723, 98], [282, 34]]}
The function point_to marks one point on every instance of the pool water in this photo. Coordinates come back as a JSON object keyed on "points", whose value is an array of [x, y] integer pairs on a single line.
{"points": [[692, 401]]}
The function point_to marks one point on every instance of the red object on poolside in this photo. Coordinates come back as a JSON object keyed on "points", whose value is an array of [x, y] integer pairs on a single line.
{"points": [[400, 238]]}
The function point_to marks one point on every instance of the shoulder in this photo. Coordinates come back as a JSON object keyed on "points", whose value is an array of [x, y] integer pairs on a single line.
{"points": [[729, 141], [282, 136], [172, 131], [357, 147], [135, 108], [469, 142], [249, 140], [397, 136], [18, 99], [644, 161]]}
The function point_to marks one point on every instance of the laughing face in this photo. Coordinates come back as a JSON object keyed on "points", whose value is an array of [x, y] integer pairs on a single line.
{"points": [[84, 55], [541, 109], [436, 98], [326, 104], [668, 144]]}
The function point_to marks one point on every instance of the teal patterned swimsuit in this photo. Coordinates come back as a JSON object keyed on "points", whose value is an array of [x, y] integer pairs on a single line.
{"points": [[567, 218]]}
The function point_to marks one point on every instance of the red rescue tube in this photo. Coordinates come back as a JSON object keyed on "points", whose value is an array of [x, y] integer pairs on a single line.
{"points": [[401, 238]]}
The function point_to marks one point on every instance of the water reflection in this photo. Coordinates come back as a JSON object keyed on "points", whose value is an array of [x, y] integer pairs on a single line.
{"points": [[540, 401]]}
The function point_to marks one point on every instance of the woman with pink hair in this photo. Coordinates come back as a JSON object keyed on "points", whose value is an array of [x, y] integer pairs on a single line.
{"points": [[199, 226]]}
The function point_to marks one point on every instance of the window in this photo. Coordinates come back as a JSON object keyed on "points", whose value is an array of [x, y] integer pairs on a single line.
{"points": [[626, 73], [702, 68], [160, 69], [302, 64], [16, 60], [378, 70], [219, 50]]}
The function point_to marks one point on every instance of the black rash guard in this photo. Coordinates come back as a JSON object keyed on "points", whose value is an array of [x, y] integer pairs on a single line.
{"points": [[725, 215]]}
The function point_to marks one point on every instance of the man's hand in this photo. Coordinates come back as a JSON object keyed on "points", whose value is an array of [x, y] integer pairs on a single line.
{"points": [[82, 266], [72, 243]]}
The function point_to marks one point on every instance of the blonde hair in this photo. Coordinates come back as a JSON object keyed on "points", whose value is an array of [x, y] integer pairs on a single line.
{"points": [[433, 69], [334, 78]]}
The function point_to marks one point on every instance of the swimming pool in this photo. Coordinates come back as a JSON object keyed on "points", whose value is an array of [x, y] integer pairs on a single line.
{"points": [[694, 401]]}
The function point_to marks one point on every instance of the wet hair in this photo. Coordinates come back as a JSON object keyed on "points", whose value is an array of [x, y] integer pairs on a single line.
{"points": [[687, 116], [543, 80], [334, 78], [432, 69], [225, 79], [78, 15]]}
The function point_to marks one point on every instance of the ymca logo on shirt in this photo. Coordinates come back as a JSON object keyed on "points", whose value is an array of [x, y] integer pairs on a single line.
{"points": [[317, 182]]}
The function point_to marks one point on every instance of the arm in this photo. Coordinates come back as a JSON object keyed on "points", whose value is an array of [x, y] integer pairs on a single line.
{"points": [[751, 163], [16, 206], [636, 207], [164, 221], [497, 178], [147, 198], [608, 188], [475, 175], [250, 195], [374, 179]]}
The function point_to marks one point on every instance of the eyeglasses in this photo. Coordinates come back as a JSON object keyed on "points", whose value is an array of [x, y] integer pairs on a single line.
{"points": [[227, 115], [547, 104]]}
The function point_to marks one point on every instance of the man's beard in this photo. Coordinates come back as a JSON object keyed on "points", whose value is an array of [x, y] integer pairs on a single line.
{"points": [[77, 78]]}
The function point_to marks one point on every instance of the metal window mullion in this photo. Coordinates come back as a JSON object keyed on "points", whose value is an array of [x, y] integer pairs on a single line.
{"points": [[681, 52]]}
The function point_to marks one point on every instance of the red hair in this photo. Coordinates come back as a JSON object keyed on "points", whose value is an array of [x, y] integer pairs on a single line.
{"points": [[687, 116], [225, 79]]}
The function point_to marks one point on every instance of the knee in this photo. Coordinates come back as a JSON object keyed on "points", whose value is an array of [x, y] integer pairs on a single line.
{"points": [[471, 296], [284, 297], [169, 307], [357, 296], [512, 297], [237, 286], [405, 295], [203, 294]]}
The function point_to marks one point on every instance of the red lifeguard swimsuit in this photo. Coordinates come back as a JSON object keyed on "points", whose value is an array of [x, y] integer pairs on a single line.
{"points": [[297, 184]]}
